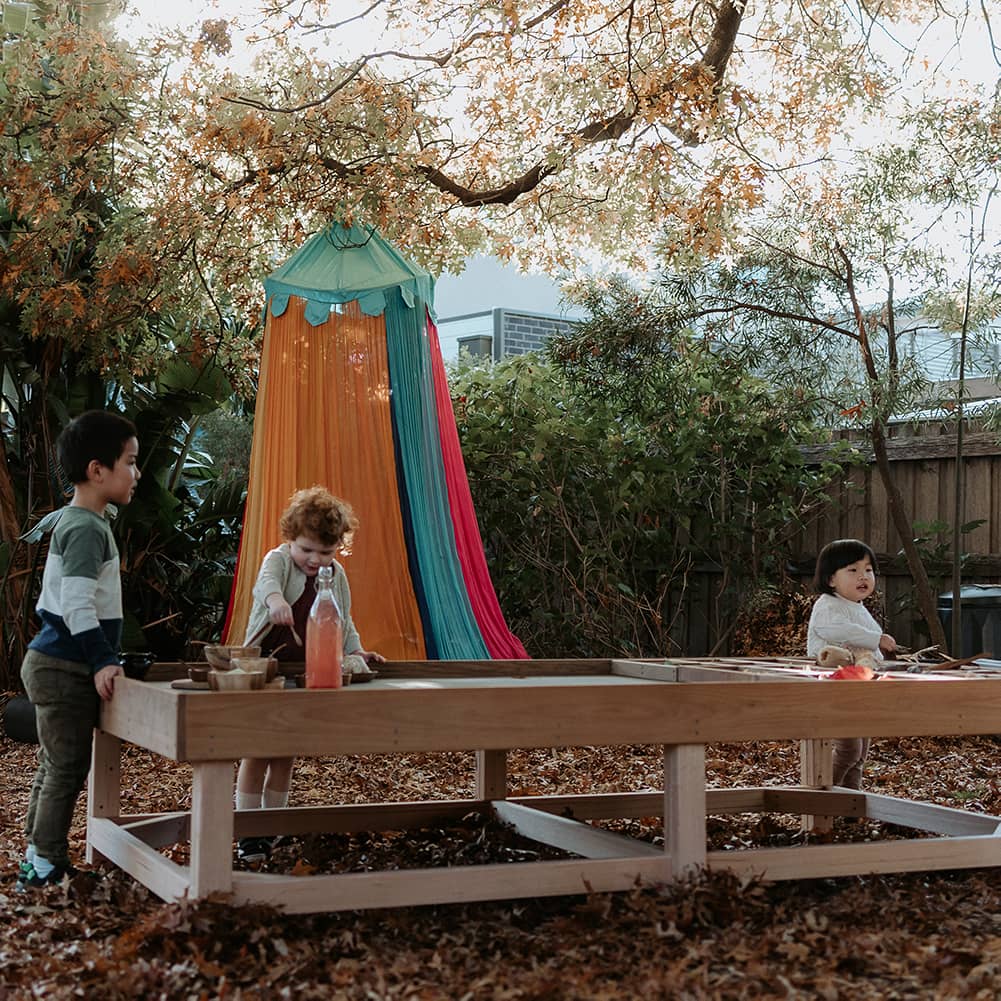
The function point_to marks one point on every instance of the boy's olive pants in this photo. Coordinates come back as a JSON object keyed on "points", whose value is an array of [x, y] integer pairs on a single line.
{"points": [[66, 708]]}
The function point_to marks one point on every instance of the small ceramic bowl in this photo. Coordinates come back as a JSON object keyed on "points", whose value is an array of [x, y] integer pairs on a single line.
{"points": [[219, 656], [199, 673], [269, 665], [236, 681]]}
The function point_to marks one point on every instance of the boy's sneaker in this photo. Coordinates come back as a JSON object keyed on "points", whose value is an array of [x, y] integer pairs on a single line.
{"points": [[253, 849], [28, 878]]}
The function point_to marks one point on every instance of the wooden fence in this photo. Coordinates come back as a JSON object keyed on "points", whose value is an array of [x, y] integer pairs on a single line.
{"points": [[923, 462]]}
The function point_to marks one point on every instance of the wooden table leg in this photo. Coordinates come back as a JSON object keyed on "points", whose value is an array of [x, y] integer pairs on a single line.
{"points": [[211, 828], [491, 774], [816, 771], [685, 807], [104, 784]]}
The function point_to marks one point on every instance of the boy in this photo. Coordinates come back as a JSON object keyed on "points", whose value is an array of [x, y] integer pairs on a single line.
{"points": [[73, 660]]}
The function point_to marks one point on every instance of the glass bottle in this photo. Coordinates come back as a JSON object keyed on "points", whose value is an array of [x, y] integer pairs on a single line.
{"points": [[324, 635]]}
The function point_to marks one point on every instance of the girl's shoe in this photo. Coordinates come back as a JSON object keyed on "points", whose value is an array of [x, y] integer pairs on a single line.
{"points": [[253, 849]]}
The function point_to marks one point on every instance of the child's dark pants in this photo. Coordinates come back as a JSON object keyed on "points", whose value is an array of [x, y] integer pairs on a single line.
{"points": [[849, 757], [66, 706]]}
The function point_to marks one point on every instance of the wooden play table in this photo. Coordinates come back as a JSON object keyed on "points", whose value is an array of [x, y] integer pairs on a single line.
{"points": [[490, 707]]}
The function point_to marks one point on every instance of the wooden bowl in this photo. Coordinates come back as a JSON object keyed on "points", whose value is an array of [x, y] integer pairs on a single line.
{"points": [[219, 656], [236, 681], [269, 665], [199, 673]]}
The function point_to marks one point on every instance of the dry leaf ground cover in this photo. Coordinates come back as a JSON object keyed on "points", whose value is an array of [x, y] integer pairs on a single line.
{"points": [[101, 935]]}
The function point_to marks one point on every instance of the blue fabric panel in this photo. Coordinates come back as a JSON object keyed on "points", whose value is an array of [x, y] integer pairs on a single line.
{"points": [[413, 562], [452, 621]]}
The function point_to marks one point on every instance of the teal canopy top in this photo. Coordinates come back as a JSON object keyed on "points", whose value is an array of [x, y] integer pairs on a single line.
{"points": [[341, 264]]}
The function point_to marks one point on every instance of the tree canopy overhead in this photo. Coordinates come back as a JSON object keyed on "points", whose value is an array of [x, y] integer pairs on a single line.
{"points": [[528, 127], [198, 159]]}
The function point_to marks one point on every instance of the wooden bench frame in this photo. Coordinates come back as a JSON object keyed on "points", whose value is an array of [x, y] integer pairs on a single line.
{"points": [[490, 707]]}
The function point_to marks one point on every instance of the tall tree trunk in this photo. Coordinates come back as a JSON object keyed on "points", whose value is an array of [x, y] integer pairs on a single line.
{"points": [[927, 604]]}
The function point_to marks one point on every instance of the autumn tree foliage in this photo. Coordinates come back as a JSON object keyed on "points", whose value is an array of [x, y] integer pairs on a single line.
{"points": [[530, 129], [533, 129]]}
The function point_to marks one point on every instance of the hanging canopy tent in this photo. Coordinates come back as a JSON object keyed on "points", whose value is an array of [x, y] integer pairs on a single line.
{"points": [[352, 396]]}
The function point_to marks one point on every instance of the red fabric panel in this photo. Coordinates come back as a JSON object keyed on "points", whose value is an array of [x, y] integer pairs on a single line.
{"points": [[500, 641]]}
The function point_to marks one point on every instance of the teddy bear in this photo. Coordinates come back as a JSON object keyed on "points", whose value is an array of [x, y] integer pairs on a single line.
{"points": [[837, 657]]}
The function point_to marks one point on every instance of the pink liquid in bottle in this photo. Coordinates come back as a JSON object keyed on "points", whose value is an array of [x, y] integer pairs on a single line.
{"points": [[324, 636]]}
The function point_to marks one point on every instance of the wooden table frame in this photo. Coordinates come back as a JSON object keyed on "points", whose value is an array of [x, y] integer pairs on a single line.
{"points": [[490, 707]]}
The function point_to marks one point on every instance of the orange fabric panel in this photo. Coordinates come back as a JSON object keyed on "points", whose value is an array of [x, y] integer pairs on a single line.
{"points": [[323, 417]]}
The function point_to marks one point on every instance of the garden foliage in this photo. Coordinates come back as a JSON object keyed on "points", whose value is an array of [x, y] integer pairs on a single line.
{"points": [[604, 487]]}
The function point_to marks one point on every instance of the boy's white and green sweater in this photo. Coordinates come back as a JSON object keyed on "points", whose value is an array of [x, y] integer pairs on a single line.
{"points": [[81, 601]]}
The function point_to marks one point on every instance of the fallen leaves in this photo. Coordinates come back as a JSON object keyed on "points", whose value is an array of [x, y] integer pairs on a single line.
{"points": [[913, 936]]}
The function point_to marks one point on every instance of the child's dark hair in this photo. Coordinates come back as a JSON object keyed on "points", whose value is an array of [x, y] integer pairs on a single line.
{"points": [[836, 555], [96, 434], [318, 513]]}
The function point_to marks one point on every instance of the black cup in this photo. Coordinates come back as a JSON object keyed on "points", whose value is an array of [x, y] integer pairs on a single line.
{"points": [[136, 664]]}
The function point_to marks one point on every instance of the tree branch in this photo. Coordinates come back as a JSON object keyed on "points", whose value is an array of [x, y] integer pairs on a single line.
{"points": [[610, 128], [712, 66]]}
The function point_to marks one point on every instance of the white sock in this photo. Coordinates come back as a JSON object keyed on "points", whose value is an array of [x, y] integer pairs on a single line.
{"points": [[247, 800], [275, 799], [42, 865], [29, 853]]}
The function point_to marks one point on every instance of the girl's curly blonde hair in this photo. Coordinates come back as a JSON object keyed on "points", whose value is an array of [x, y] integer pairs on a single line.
{"points": [[316, 512]]}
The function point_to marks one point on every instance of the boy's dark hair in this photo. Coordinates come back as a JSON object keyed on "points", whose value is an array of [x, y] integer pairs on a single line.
{"points": [[317, 512], [838, 554], [96, 434]]}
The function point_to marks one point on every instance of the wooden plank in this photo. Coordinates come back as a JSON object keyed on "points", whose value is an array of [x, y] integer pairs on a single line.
{"points": [[571, 835], [859, 859], [491, 775], [103, 783], [662, 671], [166, 879], [880, 524], [159, 831], [365, 719], [211, 828], [716, 672], [928, 816], [990, 508], [167, 670], [599, 806], [144, 714], [352, 818], [457, 884], [816, 770], [685, 807], [853, 504], [926, 505], [837, 801], [736, 800], [492, 668], [978, 485], [916, 447]]}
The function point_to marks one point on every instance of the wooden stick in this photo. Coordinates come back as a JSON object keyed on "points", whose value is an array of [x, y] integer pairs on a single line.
{"points": [[948, 665]]}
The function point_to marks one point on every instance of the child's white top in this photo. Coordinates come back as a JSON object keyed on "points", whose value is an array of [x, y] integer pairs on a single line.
{"points": [[837, 621]]}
